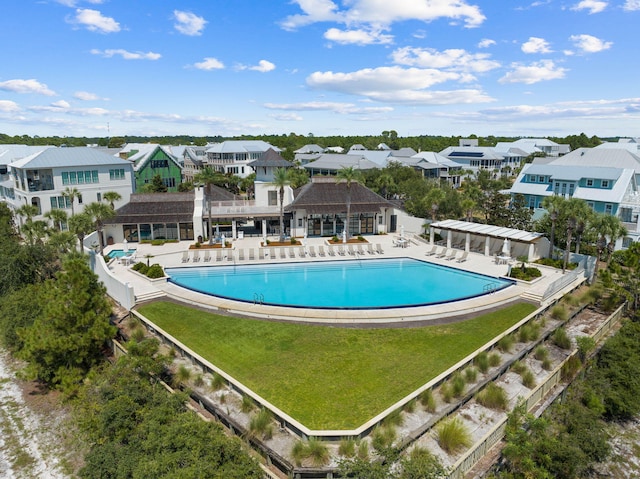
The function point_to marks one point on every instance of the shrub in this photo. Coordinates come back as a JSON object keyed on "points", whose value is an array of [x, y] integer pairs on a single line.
{"points": [[494, 360], [559, 313], [446, 392], [198, 245], [298, 452], [347, 447], [247, 404], [528, 332], [547, 364], [383, 437], [571, 300], [528, 379], [261, 424], [526, 274], [198, 380], [427, 400], [363, 449], [493, 397], [505, 343], [518, 367], [471, 374], [137, 333], [481, 361], [361, 238], [410, 407], [393, 419], [541, 353], [452, 435], [183, 374], [155, 271], [561, 339], [294, 241], [457, 384], [585, 346], [157, 242], [217, 382], [139, 266]]}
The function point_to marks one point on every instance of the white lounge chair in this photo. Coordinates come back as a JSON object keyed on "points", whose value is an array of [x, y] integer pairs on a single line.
{"points": [[370, 249], [331, 250], [260, 253], [272, 253], [252, 255], [312, 251], [379, 249], [219, 254], [292, 252], [445, 252], [229, 254], [321, 251], [350, 250], [432, 251], [451, 255], [241, 254], [360, 249], [283, 253], [185, 256], [301, 252], [463, 257], [341, 251], [207, 256], [196, 255]]}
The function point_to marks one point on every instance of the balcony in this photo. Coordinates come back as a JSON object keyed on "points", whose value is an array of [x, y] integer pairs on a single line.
{"points": [[240, 208]]}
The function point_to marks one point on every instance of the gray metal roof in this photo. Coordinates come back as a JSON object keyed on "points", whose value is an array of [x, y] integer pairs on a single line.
{"points": [[616, 158], [11, 153], [69, 157], [329, 161], [241, 146], [564, 172]]}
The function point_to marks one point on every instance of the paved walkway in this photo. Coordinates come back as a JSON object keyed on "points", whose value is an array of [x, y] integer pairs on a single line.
{"points": [[171, 255]]}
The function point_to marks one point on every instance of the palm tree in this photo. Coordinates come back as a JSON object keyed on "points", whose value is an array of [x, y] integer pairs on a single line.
{"points": [[469, 207], [81, 225], [281, 179], [553, 205], [348, 175], [112, 197], [209, 177], [72, 194], [433, 200], [99, 212], [58, 217], [385, 184]]}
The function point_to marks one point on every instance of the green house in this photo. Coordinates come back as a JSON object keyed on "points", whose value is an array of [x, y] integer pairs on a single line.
{"points": [[150, 160]]}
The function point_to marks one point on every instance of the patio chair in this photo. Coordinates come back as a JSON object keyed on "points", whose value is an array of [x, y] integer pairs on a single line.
{"points": [[272, 253], [196, 255], [360, 249], [185, 256], [445, 252], [241, 254], [283, 253], [129, 259], [321, 251], [341, 250], [379, 249], [432, 251], [207, 256], [219, 254], [301, 252], [230, 255], [292, 252], [463, 257], [451, 255], [312, 251], [252, 254], [370, 249], [331, 250], [350, 250], [260, 253]]}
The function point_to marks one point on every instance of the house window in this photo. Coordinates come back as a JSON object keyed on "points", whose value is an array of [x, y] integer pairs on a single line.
{"points": [[605, 183], [273, 198], [116, 174], [79, 177], [589, 182], [571, 188], [541, 179], [590, 204], [159, 164], [99, 196], [608, 208], [169, 182], [626, 242]]}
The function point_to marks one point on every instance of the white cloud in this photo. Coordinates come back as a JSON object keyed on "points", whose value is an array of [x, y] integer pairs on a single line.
{"points": [[209, 63], [336, 107], [589, 43], [188, 23], [94, 21], [85, 96], [127, 55], [594, 6], [8, 106], [533, 73], [452, 59], [357, 37], [26, 86], [61, 104], [536, 45], [73, 3], [486, 43], [631, 5], [263, 66], [397, 84], [381, 13], [287, 117]]}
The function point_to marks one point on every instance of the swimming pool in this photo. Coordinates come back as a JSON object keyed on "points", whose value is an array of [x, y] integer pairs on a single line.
{"points": [[119, 253], [349, 284]]}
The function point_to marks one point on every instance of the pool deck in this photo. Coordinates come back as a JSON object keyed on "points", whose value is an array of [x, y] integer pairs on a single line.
{"points": [[171, 255]]}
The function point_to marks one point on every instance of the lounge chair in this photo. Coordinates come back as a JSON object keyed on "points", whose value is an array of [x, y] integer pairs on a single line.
{"points": [[312, 251], [272, 253], [219, 254], [463, 257], [252, 254], [360, 249], [370, 249], [321, 251], [331, 250], [451, 255], [207, 256], [445, 252], [301, 252], [432, 251], [379, 249], [350, 250], [230, 255], [341, 250], [283, 253], [196, 255], [260, 253], [292, 252], [241, 254], [185, 256]]}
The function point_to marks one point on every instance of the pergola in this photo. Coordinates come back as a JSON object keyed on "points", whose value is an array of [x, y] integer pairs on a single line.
{"points": [[490, 240]]}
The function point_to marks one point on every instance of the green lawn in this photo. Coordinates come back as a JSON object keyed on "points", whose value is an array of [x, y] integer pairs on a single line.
{"points": [[326, 377]]}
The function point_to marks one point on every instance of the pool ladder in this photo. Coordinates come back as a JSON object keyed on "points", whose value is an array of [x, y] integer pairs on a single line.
{"points": [[489, 288], [258, 298]]}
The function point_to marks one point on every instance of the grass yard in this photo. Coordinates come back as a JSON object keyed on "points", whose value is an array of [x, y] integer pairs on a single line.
{"points": [[326, 377]]}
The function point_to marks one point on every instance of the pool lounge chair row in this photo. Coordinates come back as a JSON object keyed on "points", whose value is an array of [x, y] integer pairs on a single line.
{"points": [[448, 254]]}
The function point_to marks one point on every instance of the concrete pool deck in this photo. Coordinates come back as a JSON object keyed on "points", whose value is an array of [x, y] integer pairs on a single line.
{"points": [[171, 255]]}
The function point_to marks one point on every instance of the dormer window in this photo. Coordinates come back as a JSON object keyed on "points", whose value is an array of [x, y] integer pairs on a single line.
{"points": [[589, 182], [605, 183]]}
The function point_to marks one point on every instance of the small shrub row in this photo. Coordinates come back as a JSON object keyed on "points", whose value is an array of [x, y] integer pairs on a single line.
{"points": [[153, 272]]}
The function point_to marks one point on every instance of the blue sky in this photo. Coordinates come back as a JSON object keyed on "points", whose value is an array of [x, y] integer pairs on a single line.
{"points": [[327, 67]]}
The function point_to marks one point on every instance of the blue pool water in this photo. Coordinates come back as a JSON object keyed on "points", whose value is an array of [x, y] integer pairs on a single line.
{"points": [[357, 284], [119, 253]]}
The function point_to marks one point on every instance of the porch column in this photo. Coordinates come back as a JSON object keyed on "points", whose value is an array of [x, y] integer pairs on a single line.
{"points": [[487, 245], [234, 233], [467, 242], [432, 234], [449, 239], [531, 251], [264, 229]]}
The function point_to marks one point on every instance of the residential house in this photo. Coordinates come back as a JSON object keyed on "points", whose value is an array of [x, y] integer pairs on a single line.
{"points": [[474, 158], [432, 165], [194, 159], [233, 157], [40, 179], [536, 146], [151, 160], [9, 154], [331, 163]]}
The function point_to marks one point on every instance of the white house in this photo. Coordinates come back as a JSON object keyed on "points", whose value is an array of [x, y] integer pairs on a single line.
{"points": [[233, 156]]}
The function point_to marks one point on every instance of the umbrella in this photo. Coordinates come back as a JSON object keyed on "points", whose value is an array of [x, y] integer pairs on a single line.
{"points": [[401, 231], [222, 241], [125, 246], [344, 236], [506, 247]]}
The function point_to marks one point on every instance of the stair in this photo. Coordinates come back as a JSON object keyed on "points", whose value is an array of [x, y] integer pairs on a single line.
{"points": [[149, 296]]}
